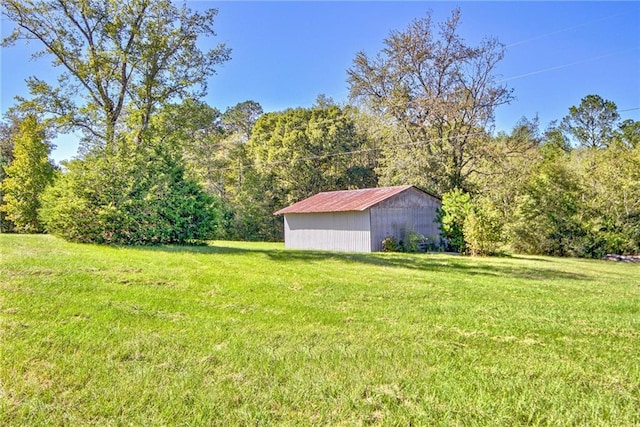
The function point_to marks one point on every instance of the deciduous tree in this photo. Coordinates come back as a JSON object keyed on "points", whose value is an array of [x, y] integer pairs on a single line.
{"points": [[7, 131], [296, 153], [456, 207], [440, 90], [310, 150], [119, 58], [550, 211], [122, 61], [27, 176]]}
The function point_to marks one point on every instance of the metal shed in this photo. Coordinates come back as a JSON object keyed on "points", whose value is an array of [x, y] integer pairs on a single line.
{"points": [[358, 220]]}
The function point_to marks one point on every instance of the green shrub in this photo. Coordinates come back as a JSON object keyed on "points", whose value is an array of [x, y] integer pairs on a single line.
{"points": [[26, 177], [456, 206], [413, 241], [482, 229], [390, 244], [141, 199], [611, 237]]}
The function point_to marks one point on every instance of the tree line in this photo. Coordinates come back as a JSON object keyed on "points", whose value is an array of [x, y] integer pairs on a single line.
{"points": [[159, 165]]}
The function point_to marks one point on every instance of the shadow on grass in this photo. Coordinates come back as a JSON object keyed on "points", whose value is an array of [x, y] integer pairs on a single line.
{"points": [[426, 262]]}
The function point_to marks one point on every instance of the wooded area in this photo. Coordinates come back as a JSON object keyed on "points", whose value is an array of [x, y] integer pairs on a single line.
{"points": [[159, 165]]}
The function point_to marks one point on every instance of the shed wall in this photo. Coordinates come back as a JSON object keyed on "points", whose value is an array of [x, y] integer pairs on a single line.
{"points": [[333, 231], [410, 210]]}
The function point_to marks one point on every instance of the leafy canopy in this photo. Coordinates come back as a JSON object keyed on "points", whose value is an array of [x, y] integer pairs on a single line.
{"points": [[592, 123], [441, 91], [27, 176], [117, 57]]}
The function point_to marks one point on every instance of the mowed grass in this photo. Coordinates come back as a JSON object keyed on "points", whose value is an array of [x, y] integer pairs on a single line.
{"points": [[253, 334]]}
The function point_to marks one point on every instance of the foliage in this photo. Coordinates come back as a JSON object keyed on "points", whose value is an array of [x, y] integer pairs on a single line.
{"points": [[550, 210], [309, 150], [579, 202], [212, 146], [611, 186], [412, 241], [390, 244], [538, 194], [298, 152], [442, 94], [473, 226], [217, 154], [628, 133], [592, 123], [193, 131], [27, 176], [455, 209], [241, 118], [253, 209], [499, 187], [124, 58], [139, 199], [8, 130], [483, 228], [251, 333], [122, 63]]}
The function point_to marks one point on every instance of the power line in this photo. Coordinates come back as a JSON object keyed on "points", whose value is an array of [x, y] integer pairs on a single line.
{"points": [[562, 30], [557, 67], [345, 153], [353, 152]]}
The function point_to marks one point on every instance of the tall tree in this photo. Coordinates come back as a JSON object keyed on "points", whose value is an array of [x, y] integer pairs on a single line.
{"points": [[610, 180], [296, 153], [241, 118], [628, 133], [8, 129], [549, 216], [502, 178], [211, 143], [122, 61], [118, 58], [310, 150], [593, 122], [27, 176], [440, 90]]}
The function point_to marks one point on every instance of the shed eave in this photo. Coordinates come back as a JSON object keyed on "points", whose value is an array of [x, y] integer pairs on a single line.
{"points": [[286, 211], [346, 200]]}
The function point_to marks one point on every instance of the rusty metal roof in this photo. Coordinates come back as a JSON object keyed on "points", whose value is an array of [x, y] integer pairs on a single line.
{"points": [[342, 201]]}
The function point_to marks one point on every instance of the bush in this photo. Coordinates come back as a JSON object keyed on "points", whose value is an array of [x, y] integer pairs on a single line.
{"points": [[470, 226], [413, 241], [390, 244], [456, 206], [141, 199], [611, 237], [482, 229]]}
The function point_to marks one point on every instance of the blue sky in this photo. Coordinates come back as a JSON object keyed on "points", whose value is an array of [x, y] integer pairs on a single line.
{"points": [[286, 53]]}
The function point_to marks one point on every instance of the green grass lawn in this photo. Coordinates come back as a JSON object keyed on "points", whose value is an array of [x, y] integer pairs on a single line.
{"points": [[251, 333]]}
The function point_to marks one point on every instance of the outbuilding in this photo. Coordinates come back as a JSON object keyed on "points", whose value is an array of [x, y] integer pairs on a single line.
{"points": [[359, 220]]}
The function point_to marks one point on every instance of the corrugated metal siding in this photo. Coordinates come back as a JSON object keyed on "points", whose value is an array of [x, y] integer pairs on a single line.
{"points": [[334, 231], [407, 211]]}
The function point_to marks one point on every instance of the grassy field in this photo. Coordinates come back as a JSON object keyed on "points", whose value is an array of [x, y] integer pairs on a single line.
{"points": [[246, 334]]}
